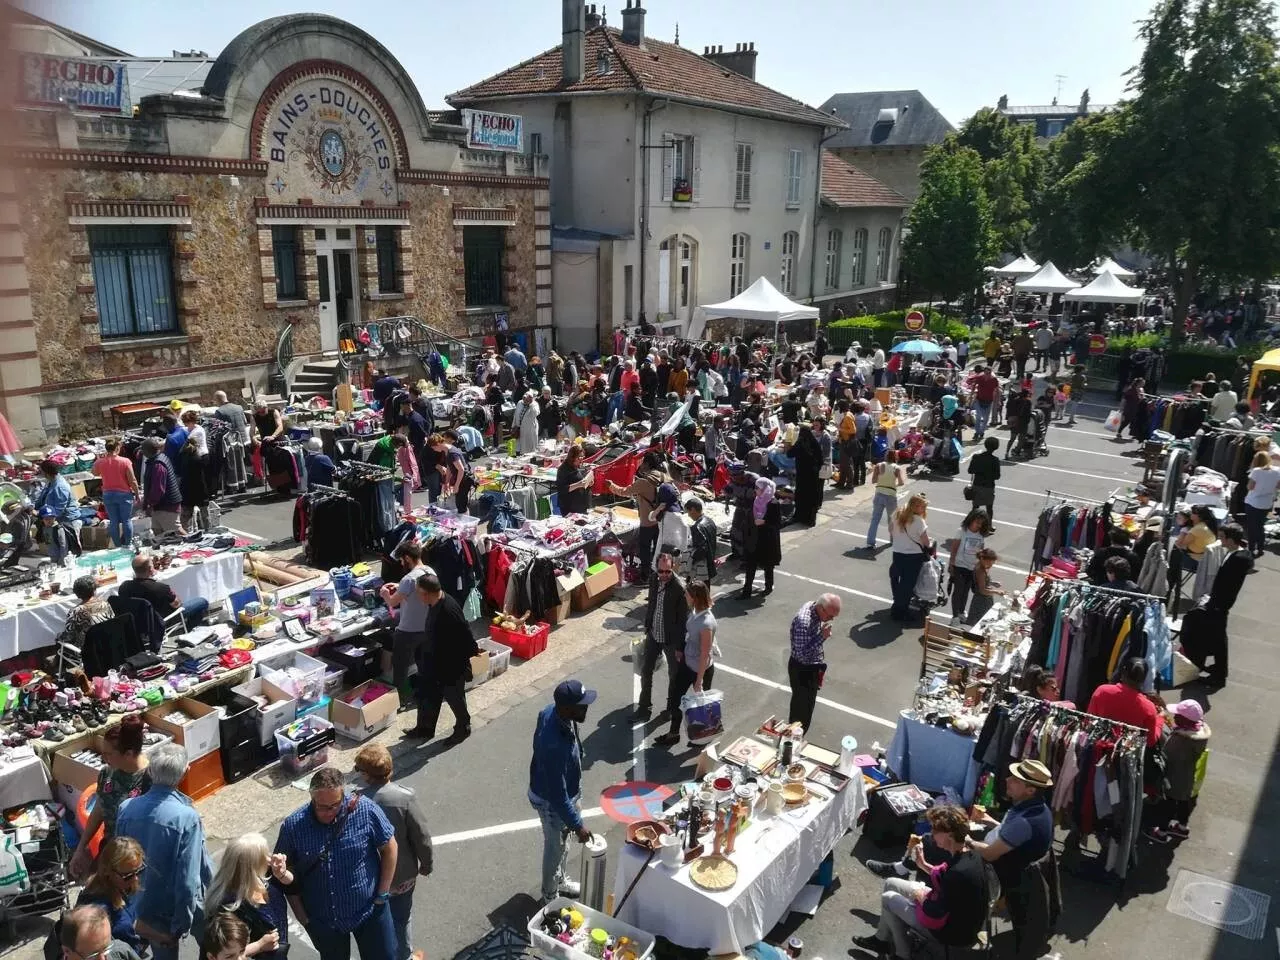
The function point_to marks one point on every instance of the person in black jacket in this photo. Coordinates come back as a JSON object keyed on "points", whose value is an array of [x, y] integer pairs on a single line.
{"points": [[444, 664], [1204, 630], [664, 616]]}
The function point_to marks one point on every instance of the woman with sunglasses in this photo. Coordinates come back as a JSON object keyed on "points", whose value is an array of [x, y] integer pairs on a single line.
{"points": [[1043, 685], [250, 885], [114, 887]]}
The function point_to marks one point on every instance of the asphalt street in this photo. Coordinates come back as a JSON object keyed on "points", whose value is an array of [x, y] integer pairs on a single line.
{"points": [[488, 841]]}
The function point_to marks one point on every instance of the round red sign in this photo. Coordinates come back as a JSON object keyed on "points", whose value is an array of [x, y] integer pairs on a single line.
{"points": [[914, 321]]}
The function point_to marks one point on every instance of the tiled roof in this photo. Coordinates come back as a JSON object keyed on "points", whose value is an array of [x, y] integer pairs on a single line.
{"points": [[844, 185], [656, 68], [916, 122]]}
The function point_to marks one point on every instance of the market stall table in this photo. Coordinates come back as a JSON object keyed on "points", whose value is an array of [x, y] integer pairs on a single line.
{"points": [[933, 758], [25, 628], [775, 857], [23, 779]]}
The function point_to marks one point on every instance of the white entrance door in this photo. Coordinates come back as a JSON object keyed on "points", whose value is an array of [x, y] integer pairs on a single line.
{"points": [[339, 285]]}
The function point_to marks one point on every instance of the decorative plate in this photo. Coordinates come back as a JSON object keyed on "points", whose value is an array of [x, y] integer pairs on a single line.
{"points": [[713, 872]]}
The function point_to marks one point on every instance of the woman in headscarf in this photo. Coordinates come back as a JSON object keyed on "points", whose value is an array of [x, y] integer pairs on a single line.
{"points": [[673, 532], [524, 423], [762, 549]]}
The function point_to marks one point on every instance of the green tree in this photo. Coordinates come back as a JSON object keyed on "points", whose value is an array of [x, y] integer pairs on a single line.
{"points": [[949, 236], [1201, 143], [1012, 171]]}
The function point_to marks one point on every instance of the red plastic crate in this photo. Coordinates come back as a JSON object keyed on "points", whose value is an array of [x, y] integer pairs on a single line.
{"points": [[526, 646]]}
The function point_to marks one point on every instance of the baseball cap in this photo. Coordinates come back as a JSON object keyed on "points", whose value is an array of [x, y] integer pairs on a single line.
{"points": [[1189, 712], [48, 512], [571, 693]]}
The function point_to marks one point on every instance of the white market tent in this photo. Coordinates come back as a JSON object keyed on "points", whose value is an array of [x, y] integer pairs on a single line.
{"points": [[1021, 267], [1048, 279], [1107, 288], [1110, 266], [760, 301]]}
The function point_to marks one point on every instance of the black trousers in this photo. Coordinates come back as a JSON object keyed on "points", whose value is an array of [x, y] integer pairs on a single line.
{"points": [[683, 678], [961, 585], [461, 499], [646, 540], [749, 576], [1209, 641], [804, 678], [648, 661], [431, 694]]}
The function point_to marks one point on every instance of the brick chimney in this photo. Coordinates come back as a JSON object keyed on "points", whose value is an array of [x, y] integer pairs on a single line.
{"points": [[741, 59], [593, 17], [633, 24], [573, 54]]}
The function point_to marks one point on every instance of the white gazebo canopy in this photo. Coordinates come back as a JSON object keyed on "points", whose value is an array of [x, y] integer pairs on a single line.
{"points": [[1107, 288], [1110, 266], [760, 301], [1021, 267], [1048, 279]]}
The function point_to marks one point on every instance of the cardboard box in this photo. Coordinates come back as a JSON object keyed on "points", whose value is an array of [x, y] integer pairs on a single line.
{"points": [[565, 584], [280, 711], [199, 736], [597, 587], [72, 776], [361, 723], [479, 670]]}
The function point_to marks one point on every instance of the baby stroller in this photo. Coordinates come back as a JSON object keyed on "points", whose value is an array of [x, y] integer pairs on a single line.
{"points": [[1031, 442]]}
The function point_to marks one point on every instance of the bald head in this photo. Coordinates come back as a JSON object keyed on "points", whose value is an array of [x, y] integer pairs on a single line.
{"points": [[219, 397], [828, 606]]}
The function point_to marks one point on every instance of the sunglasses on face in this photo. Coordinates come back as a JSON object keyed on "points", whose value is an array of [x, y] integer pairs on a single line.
{"points": [[134, 873], [665, 573]]}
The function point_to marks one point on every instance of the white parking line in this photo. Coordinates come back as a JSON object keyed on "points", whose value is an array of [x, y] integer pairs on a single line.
{"points": [[871, 717], [1075, 473], [833, 586], [500, 828], [247, 536], [958, 513], [1091, 453], [861, 536]]}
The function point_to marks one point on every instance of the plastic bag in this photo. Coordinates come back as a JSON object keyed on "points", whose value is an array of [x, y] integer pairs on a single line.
{"points": [[13, 869], [702, 716], [929, 583], [1113, 420]]}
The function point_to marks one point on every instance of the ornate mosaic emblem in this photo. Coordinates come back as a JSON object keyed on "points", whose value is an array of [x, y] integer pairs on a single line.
{"points": [[333, 153]]}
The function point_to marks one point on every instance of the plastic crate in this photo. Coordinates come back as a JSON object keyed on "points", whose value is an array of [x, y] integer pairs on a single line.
{"points": [[499, 656], [526, 646], [204, 776], [304, 682], [551, 947], [303, 753], [334, 674]]}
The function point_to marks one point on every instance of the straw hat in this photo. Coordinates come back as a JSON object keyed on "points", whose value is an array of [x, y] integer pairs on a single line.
{"points": [[1033, 772]]}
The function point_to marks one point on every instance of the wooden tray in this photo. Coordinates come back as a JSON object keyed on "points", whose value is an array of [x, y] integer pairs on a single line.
{"points": [[713, 872]]}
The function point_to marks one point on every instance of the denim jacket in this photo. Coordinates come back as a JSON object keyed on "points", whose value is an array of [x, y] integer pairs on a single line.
{"points": [[555, 772], [178, 868]]}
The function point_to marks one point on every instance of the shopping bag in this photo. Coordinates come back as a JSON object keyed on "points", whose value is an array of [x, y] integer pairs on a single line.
{"points": [[929, 583], [13, 869], [1113, 420], [702, 716]]}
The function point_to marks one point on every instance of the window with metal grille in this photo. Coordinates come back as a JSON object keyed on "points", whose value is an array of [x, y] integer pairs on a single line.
{"points": [[835, 240], [790, 241], [133, 277], [482, 265], [742, 184], [284, 248], [738, 263], [860, 257], [883, 250], [388, 260]]}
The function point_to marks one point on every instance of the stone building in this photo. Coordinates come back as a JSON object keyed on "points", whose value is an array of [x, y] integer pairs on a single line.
{"points": [[181, 224], [889, 132]]}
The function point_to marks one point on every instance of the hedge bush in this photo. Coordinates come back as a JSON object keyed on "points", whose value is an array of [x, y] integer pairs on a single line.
{"points": [[881, 328]]}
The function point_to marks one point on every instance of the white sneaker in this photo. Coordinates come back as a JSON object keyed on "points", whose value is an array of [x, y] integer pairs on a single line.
{"points": [[570, 888]]}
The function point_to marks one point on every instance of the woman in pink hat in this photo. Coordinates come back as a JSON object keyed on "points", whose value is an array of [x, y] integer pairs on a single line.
{"points": [[1183, 751]]}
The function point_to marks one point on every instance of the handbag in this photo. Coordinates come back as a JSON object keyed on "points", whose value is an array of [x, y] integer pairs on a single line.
{"points": [[967, 492], [825, 471]]}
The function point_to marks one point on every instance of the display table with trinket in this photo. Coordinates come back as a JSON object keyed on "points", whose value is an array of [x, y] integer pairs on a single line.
{"points": [[737, 846]]}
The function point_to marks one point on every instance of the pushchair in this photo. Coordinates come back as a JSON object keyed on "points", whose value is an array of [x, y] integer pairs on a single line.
{"points": [[1031, 441]]}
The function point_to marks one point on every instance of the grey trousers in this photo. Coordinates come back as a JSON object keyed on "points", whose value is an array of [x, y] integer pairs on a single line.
{"points": [[404, 651], [898, 914]]}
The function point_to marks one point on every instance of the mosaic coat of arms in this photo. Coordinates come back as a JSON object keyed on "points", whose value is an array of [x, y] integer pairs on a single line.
{"points": [[326, 141]]}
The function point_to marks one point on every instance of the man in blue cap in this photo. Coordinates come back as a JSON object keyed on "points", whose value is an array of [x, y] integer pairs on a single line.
{"points": [[555, 781]]}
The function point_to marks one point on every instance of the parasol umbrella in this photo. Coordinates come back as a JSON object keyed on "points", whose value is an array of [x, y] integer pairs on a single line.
{"points": [[923, 348]]}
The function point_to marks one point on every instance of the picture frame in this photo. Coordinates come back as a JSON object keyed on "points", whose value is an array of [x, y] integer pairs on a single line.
{"points": [[833, 780]]}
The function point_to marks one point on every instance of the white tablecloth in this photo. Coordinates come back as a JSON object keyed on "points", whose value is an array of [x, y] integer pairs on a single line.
{"points": [[775, 858], [29, 628], [24, 781]]}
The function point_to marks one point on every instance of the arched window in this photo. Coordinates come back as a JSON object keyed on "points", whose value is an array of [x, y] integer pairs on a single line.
{"points": [[790, 243], [738, 263], [883, 251], [860, 257], [835, 240]]}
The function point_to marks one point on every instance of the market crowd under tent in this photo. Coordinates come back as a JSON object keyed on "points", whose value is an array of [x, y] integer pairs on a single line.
{"points": [[1048, 279], [760, 301]]}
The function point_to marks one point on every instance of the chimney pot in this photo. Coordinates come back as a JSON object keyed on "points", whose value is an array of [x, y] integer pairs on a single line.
{"points": [[633, 24], [573, 53]]}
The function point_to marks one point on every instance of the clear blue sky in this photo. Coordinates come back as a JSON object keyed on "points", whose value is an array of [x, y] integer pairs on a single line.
{"points": [[961, 55]]}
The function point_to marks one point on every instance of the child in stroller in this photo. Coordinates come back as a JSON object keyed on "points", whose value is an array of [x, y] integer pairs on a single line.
{"points": [[1031, 441]]}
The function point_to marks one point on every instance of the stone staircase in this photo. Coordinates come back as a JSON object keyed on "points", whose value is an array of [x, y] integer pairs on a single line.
{"points": [[317, 378]]}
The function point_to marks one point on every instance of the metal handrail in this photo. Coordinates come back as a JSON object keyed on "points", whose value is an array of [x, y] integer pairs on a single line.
{"points": [[284, 355]]}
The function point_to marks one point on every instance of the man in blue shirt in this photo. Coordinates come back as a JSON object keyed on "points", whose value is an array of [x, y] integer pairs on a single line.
{"points": [[515, 356], [342, 850], [319, 465], [178, 870], [175, 439], [555, 782]]}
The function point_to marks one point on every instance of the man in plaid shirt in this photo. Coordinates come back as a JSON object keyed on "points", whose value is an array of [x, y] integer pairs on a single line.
{"points": [[810, 629]]}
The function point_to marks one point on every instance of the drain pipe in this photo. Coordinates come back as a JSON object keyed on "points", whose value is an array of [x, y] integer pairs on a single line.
{"points": [[817, 207], [645, 146]]}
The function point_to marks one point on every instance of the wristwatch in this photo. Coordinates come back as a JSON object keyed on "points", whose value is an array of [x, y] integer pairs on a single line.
{"points": [[381, 898]]}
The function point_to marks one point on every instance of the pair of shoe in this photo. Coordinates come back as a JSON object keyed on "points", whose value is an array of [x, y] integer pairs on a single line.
{"points": [[887, 868], [419, 733], [1158, 835], [873, 944], [667, 740]]}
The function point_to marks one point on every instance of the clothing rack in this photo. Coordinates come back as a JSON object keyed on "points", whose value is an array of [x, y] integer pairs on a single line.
{"points": [[1014, 697], [1086, 585], [1072, 498]]}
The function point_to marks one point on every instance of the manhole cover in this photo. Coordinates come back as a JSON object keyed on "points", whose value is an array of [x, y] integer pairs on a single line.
{"points": [[1219, 904]]}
